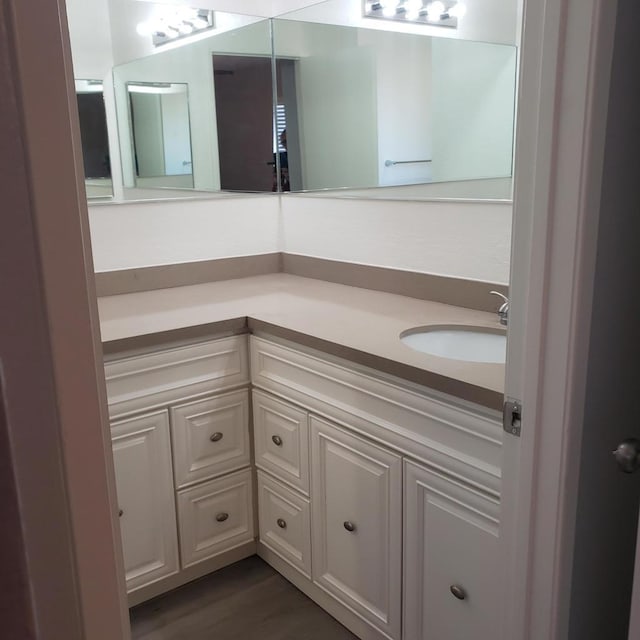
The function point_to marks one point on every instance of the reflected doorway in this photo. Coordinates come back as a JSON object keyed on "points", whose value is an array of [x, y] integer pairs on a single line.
{"points": [[248, 142]]}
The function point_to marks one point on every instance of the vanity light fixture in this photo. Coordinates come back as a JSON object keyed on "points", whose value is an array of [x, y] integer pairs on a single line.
{"points": [[175, 23], [432, 12]]}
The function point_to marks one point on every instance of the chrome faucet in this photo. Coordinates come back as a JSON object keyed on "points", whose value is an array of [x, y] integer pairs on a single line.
{"points": [[503, 311]]}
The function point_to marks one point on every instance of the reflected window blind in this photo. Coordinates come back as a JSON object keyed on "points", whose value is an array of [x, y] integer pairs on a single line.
{"points": [[281, 125]]}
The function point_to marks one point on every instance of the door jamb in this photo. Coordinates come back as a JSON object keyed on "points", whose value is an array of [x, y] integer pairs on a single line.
{"points": [[567, 50]]}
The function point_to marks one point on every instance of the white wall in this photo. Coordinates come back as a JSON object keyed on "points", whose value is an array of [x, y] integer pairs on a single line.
{"points": [[473, 94], [153, 233], [404, 130], [90, 36], [466, 240]]}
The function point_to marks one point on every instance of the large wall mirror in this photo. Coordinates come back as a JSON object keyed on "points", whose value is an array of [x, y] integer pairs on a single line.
{"points": [[318, 101], [95, 138]]}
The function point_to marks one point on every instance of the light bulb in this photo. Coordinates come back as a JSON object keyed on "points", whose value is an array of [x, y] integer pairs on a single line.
{"points": [[388, 10], [413, 6], [435, 10], [144, 29], [458, 10], [200, 23], [185, 28]]}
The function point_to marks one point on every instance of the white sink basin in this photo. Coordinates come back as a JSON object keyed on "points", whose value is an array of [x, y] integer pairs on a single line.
{"points": [[473, 344]]}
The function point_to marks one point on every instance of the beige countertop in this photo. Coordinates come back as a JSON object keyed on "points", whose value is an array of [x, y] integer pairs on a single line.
{"points": [[358, 324]]}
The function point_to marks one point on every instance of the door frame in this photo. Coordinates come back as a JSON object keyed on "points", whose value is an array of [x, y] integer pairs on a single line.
{"points": [[62, 464], [564, 85]]}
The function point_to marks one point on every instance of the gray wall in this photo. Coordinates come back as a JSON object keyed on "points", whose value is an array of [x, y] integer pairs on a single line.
{"points": [[608, 499]]}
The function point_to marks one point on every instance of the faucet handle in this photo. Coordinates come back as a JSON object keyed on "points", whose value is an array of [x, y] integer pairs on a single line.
{"points": [[503, 311], [497, 293]]}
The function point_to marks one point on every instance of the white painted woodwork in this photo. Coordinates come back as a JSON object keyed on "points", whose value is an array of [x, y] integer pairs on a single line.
{"points": [[210, 437], [355, 481], [450, 538], [173, 375], [285, 523], [281, 435], [201, 509], [462, 439], [142, 461]]}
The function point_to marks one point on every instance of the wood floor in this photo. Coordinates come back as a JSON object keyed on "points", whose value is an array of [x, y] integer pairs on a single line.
{"points": [[245, 601]]}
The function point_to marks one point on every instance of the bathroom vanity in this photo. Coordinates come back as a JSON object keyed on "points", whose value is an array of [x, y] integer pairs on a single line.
{"points": [[256, 421]]}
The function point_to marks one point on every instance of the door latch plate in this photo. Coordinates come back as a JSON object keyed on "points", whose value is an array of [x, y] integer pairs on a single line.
{"points": [[512, 416]]}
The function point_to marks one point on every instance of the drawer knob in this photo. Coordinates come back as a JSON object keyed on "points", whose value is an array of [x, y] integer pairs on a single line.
{"points": [[221, 517], [216, 437], [277, 440], [349, 526], [120, 513], [281, 523], [458, 591]]}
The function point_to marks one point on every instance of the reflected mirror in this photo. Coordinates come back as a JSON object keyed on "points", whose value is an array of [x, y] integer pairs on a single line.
{"points": [[94, 136], [368, 108], [160, 134], [226, 97]]}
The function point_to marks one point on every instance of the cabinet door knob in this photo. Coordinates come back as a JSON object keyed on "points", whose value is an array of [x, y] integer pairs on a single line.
{"points": [[277, 440], [216, 437], [349, 526], [120, 513], [281, 523], [221, 517], [458, 591]]}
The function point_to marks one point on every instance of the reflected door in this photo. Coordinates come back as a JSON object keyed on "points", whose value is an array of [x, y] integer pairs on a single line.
{"points": [[244, 117]]}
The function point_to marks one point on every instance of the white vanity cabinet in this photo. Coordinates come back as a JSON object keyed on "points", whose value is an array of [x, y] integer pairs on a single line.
{"points": [[357, 523], [180, 433], [142, 461], [404, 495]]}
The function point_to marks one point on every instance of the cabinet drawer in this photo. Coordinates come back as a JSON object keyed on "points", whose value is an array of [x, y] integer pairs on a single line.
{"points": [[215, 517], [210, 437], [281, 436], [357, 524], [171, 375], [451, 539], [285, 523], [142, 463]]}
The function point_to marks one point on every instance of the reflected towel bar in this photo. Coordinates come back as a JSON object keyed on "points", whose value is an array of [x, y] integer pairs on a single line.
{"points": [[390, 163]]}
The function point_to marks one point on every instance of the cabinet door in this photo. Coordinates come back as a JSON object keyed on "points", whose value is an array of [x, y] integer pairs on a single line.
{"points": [[142, 461], [357, 517], [451, 559]]}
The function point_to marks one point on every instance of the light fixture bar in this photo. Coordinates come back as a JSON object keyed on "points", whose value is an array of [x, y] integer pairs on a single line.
{"points": [[430, 12], [172, 24]]}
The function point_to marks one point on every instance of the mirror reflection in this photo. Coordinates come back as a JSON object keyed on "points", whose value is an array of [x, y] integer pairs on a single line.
{"points": [[204, 67], [356, 107], [377, 108], [351, 110], [94, 136], [160, 133]]}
